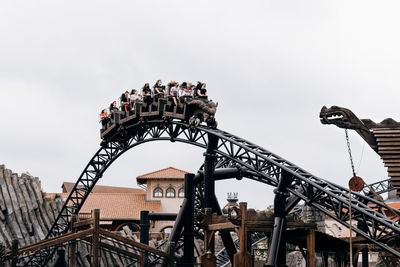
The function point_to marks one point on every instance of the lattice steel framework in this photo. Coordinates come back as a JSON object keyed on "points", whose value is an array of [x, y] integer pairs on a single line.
{"points": [[232, 151]]}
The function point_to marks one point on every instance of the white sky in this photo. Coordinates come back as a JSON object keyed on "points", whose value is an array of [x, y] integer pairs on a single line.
{"points": [[271, 65]]}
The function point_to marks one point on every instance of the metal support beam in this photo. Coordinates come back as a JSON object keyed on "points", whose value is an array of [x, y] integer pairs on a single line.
{"points": [[277, 248], [209, 161], [14, 253], [144, 233], [364, 258], [209, 183], [144, 227], [188, 235], [155, 216]]}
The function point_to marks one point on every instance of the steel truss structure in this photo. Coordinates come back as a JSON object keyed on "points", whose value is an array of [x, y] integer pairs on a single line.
{"points": [[233, 152]]}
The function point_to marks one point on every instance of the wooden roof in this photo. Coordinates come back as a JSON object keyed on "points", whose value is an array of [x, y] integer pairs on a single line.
{"points": [[388, 142]]}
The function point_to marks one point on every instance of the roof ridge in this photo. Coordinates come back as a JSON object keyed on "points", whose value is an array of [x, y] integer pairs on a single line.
{"points": [[107, 185], [116, 193], [160, 170]]}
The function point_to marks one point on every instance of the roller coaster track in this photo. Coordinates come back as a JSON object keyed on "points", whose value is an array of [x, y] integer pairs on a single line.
{"points": [[236, 152], [379, 187]]}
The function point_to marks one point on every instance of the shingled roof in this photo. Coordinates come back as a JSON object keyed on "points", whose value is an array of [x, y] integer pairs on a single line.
{"points": [[166, 173], [115, 203], [119, 205]]}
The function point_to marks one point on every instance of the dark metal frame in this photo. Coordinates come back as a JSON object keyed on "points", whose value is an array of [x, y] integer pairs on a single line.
{"points": [[232, 151]]}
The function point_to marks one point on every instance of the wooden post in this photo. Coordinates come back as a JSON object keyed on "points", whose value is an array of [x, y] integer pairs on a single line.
{"points": [[208, 259], [243, 257], [72, 246], [311, 248], [14, 253], [95, 238]]}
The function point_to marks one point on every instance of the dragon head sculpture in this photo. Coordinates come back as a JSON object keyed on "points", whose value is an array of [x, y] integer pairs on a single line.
{"points": [[341, 117], [204, 111], [346, 119]]}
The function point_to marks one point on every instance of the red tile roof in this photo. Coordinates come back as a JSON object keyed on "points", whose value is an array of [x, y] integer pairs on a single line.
{"points": [[67, 186], [119, 205], [113, 202], [166, 173]]}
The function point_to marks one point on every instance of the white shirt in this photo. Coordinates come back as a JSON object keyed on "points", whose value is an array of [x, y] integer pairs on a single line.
{"points": [[174, 91]]}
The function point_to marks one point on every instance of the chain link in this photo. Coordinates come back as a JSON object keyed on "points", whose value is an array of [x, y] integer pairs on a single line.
{"points": [[350, 155]]}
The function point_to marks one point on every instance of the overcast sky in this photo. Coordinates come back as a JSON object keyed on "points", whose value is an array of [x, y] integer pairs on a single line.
{"points": [[271, 65]]}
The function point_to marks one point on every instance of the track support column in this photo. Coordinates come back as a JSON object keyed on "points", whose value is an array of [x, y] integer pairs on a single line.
{"points": [[209, 165], [188, 226], [277, 248], [209, 183], [14, 253], [144, 233]]}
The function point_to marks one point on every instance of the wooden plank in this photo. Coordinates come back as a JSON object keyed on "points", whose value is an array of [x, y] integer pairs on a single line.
{"points": [[133, 243], [383, 131], [391, 160], [392, 165], [393, 169], [388, 139], [390, 157], [389, 148], [383, 152], [119, 250], [259, 229], [221, 226], [83, 222], [393, 144], [55, 241], [386, 135], [391, 174]]}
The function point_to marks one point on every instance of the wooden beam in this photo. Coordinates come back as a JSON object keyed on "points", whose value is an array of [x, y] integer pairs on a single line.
{"points": [[311, 248], [133, 243], [119, 250], [55, 241], [95, 238], [82, 223], [72, 248], [221, 226]]}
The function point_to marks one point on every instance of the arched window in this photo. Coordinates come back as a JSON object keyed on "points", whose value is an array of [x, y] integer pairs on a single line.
{"points": [[181, 192], [170, 192], [158, 192], [166, 229]]}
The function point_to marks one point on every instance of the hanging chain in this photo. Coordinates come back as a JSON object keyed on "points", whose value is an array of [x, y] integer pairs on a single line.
{"points": [[350, 215], [349, 149]]}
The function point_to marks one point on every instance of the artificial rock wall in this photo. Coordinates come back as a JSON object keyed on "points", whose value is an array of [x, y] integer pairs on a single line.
{"points": [[27, 216]]}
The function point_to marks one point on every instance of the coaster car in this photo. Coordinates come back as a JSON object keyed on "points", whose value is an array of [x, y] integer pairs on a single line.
{"points": [[193, 111]]}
